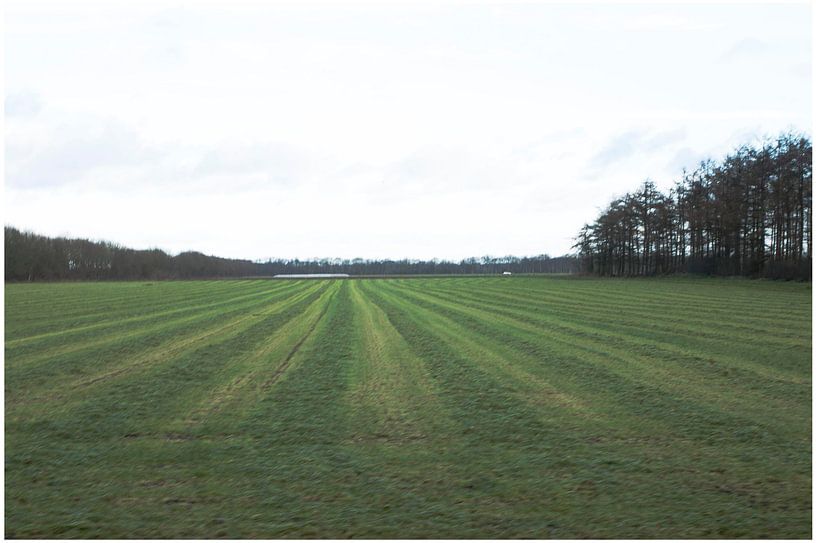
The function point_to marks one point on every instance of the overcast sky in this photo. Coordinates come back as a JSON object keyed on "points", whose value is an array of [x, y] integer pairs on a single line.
{"points": [[400, 131]]}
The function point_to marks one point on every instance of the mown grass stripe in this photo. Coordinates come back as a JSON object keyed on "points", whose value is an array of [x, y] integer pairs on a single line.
{"points": [[614, 308], [38, 355], [618, 332], [627, 364], [143, 315], [142, 390], [614, 312], [643, 296], [394, 398], [105, 301], [169, 345], [250, 377], [742, 362]]}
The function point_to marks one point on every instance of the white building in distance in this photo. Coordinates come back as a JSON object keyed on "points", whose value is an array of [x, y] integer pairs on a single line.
{"points": [[310, 276]]}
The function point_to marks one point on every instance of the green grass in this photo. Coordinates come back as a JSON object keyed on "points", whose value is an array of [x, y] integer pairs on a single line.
{"points": [[482, 407]]}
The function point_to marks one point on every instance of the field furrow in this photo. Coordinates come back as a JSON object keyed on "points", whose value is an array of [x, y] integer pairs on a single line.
{"points": [[393, 397]]}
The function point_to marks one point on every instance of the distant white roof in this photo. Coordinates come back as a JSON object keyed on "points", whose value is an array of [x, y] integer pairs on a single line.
{"points": [[309, 275]]}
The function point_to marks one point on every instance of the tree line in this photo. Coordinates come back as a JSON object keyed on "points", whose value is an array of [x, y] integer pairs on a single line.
{"points": [[749, 215], [33, 257], [486, 264]]}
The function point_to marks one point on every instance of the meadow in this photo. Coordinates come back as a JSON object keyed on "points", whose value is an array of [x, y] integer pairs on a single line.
{"points": [[461, 407]]}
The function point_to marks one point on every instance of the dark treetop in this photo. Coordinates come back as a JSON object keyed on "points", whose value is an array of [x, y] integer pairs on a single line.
{"points": [[748, 215]]}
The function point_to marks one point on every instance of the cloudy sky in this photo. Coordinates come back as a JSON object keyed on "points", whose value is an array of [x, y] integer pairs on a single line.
{"points": [[426, 130]]}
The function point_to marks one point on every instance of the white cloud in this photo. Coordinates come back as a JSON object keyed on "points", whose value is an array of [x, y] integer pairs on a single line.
{"points": [[746, 49], [73, 153], [22, 104], [281, 130]]}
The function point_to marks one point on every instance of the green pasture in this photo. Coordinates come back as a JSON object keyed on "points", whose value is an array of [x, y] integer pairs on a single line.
{"points": [[457, 407]]}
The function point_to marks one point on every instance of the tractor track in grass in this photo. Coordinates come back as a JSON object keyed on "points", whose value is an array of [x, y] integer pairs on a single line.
{"points": [[279, 372], [155, 403], [164, 351], [394, 397], [242, 375]]}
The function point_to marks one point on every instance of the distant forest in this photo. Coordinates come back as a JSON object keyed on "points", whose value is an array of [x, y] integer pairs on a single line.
{"points": [[32, 257], [749, 215]]}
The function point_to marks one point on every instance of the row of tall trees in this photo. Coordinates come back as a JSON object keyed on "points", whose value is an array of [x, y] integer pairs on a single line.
{"points": [[33, 257], [750, 214]]}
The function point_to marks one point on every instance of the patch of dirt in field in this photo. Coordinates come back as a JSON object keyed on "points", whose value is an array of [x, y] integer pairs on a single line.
{"points": [[760, 495], [388, 438], [586, 487], [179, 437], [180, 501], [165, 500], [159, 483], [176, 437]]}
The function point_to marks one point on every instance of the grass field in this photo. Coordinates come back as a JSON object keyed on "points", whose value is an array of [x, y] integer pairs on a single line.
{"points": [[453, 407]]}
